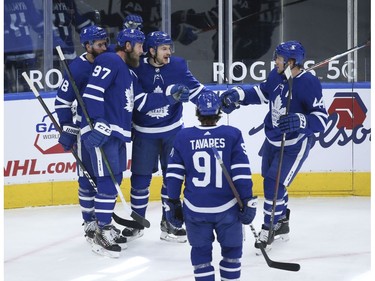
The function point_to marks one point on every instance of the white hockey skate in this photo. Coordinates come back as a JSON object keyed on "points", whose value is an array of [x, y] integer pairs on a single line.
{"points": [[263, 240], [282, 228], [170, 233], [132, 233], [90, 228], [104, 242]]}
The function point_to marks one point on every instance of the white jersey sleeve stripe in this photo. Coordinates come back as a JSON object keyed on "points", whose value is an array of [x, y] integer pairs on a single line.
{"points": [[210, 210], [241, 177], [176, 166], [239, 166], [100, 89], [63, 101], [322, 118], [259, 92], [196, 91], [62, 106], [92, 97]]}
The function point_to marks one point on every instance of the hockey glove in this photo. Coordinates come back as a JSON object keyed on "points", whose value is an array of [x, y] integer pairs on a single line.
{"points": [[249, 210], [99, 135], [178, 93], [292, 122], [173, 212], [68, 136], [231, 99], [186, 33], [133, 22]]}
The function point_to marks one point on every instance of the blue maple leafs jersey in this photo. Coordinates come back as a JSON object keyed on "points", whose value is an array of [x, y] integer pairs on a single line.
{"points": [[154, 117], [19, 18], [65, 17], [80, 68], [192, 159], [307, 98], [109, 95]]}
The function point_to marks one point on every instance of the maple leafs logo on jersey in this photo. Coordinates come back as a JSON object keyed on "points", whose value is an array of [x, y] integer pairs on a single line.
{"points": [[159, 112], [129, 97], [277, 110]]}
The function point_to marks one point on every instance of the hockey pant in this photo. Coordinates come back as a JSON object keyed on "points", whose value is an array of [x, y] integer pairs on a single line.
{"points": [[293, 158]]}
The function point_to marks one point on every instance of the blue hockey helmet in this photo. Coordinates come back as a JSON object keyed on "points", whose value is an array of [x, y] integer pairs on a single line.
{"points": [[91, 34], [291, 50], [130, 35], [208, 103], [133, 21], [155, 39]]}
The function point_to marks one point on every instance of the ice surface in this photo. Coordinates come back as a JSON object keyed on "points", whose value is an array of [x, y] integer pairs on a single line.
{"points": [[330, 238]]}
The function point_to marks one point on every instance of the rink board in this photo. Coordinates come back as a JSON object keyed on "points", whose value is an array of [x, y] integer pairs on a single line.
{"points": [[37, 172], [305, 184]]}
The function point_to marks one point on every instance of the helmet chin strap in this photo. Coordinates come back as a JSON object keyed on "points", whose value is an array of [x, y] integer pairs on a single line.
{"points": [[286, 65]]}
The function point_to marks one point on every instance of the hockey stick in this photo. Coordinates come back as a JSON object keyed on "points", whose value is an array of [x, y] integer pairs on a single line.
{"points": [[138, 218], [289, 77], [356, 48], [124, 222], [275, 264], [270, 263]]}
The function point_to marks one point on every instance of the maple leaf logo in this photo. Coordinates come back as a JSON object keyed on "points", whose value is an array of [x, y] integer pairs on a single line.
{"points": [[277, 110], [159, 112], [129, 97]]}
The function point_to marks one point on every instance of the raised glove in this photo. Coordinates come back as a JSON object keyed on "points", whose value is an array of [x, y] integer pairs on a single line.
{"points": [[231, 99], [186, 33], [249, 210], [68, 136], [292, 122], [99, 135], [133, 22], [178, 93], [173, 212]]}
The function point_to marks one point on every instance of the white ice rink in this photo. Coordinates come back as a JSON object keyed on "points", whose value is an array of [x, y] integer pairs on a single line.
{"points": [[330, 239]]}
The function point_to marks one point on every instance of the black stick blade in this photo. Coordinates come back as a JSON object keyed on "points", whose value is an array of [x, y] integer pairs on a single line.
{"points": [[139, 222], [279, 265]]}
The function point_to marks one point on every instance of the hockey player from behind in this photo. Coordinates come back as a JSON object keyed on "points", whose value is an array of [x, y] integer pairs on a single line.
{"points": [[156, 120], [109, 98], [209, 204], [95, 40], [307, 115]]}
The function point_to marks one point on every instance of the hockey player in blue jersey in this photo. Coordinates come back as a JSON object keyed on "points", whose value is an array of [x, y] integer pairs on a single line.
{"points": [[20, 18], [109, 99], [156, 120], [307, 115], [65, 17], [209, 204], [94, 40]]}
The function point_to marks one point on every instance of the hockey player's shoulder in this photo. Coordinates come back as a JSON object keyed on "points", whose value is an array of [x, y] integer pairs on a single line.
{"points": [[231, 130], [308, 78], [177, 60], [79, 66], [108, 58]]}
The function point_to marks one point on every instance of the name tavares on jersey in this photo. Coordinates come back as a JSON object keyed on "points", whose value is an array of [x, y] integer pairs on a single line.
{"points": [[207, 143]]}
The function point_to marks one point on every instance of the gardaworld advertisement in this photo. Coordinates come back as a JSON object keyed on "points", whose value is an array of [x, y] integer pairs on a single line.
{"points": [[32, 153]]}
